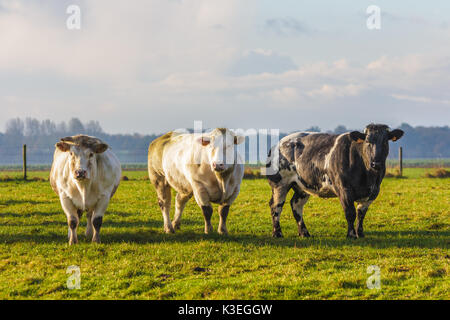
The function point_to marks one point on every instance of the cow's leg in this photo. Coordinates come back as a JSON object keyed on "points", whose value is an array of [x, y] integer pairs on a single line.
{"points": [[97, 217], [202, 198], [180, 203], [276, 206], [207, 214], [72, 219], [361, 211], [298, 200], [89, 226], [350, 214], [223, 213], [164, 201]]}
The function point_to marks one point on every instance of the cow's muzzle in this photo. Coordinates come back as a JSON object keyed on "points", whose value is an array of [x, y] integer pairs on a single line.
{"points": [[219, 167], [80, 174]]}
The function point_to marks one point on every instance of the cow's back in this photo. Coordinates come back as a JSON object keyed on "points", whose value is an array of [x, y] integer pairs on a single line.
{"points": [[315, 149], [307, 147], [156, 153], [169, 159], [303, 159]]}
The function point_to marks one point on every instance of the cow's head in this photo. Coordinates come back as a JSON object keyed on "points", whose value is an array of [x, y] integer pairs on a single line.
{"points": [[375, 140], [220, 144], [83, 151]]}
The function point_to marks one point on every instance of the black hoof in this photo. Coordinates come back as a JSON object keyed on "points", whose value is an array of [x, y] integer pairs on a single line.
{"points": [[351, 235], [277, 234], [304, 234]]}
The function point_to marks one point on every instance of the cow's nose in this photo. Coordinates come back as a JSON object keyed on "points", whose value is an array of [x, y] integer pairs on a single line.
{"points": [[376, 165], [218, 166], [80, 174]]}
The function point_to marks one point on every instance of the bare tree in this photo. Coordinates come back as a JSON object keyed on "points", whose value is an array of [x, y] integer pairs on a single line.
{"points": [[15, 127], [32, 127]]}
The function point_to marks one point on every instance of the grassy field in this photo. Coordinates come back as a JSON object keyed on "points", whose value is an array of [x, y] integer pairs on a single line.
{"points": [[407, 236]]}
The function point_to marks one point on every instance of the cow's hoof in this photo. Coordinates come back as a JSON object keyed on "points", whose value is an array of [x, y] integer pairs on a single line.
{"points": [[352, 235], [176, 225], [304, 234], [361, 234], [169, 230], [223, 232], [277, 234], [96, 240], [208, 229]]}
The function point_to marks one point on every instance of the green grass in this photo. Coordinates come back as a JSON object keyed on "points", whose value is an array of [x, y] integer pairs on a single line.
{"points": [[407, 235]]}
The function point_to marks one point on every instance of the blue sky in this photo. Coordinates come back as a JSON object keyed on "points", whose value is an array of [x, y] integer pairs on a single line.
{"points": [[158, 65]]}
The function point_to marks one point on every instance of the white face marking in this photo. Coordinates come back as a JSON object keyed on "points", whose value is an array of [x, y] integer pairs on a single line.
{"points": [[221, 149], [81, 159]]}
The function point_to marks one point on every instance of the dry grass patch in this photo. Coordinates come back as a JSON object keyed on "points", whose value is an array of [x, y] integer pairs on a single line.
{"points": [[438, 173]]}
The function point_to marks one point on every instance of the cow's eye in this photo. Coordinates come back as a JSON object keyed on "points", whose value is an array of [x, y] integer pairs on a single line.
{"points": [[71, 154], [91, 155]]}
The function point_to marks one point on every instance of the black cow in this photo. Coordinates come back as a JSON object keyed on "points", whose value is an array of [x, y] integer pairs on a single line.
{"points": [[349, 166]]}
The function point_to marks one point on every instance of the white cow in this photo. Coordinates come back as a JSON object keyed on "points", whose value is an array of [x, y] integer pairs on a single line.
{"points": [[205, 166], [85, 175]]}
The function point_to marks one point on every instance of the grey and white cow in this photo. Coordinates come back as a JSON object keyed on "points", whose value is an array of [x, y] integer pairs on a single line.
{"points": [[85, 175], [205, 166], [349, 166]]}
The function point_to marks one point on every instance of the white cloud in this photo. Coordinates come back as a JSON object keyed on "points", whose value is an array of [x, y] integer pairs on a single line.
{"points": [[117, 40], [286, 94], [419, 99], [177, 60], [287, 26], [261, 61], [330, 91]]}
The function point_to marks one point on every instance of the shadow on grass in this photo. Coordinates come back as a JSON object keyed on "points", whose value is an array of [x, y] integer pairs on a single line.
{"points": [[16, 202], [144, 235], [28, 214], [401, 239], [108, 220], [147, 231]]}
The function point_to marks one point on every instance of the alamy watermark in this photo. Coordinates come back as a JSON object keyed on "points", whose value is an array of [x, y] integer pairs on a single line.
{"points": [[374, 280], [253, 146], [73, 22], [374, 20], [74, 280]]}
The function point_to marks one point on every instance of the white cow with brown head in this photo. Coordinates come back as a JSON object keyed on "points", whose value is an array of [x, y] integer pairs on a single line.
{"points": [[85, 175], [206, 166]]}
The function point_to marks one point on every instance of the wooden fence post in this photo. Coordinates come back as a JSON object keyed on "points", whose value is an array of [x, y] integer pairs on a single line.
{"points": [[400, 160], [24, 155]]}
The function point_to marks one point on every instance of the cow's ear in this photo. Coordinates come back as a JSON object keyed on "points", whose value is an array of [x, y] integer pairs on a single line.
{"points": [[239, 139], [204, 141], [396, 134], [100, 147], [62, 146], [358, 136]]}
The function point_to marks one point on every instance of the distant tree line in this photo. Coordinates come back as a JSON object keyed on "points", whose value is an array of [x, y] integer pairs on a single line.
{"points": [[41, 136], [418, 142]]}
